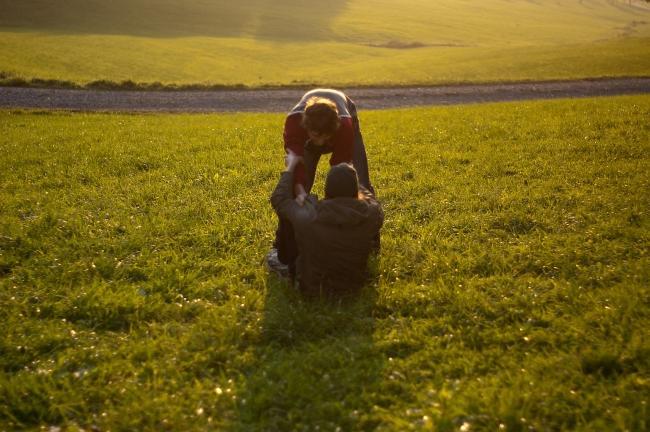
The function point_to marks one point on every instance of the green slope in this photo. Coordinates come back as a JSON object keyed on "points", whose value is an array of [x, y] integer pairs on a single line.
{"points": [[359, 41]]}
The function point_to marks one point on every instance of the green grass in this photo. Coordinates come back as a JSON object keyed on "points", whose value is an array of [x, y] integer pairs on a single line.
{"points": [[511, 289], [258, 43]]}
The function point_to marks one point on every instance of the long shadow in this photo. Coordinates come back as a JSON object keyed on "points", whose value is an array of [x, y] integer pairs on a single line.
{"points": [[315, 364], [261, 19]]}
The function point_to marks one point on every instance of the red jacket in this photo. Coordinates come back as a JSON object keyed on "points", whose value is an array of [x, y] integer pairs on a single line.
{"points": [[341, 144]]}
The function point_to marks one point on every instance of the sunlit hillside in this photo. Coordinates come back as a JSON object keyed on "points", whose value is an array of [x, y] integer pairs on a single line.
{"points": [[259, 42]]}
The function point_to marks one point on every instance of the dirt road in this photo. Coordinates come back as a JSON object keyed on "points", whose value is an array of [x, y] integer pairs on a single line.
{"points": [[280, 100]]}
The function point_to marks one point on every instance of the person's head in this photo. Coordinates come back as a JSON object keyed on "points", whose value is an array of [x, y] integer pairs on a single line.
{"points": [[320, 119], [341, 182]]}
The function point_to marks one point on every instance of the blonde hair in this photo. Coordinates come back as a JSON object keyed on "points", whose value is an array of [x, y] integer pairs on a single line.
{"points": [[321, 116]]}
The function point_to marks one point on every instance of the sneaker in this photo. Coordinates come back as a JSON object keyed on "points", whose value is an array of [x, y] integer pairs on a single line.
{"points": [[275, 265]]}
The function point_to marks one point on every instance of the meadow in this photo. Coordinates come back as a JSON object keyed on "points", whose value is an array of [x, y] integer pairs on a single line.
{"points": [[511, 292], [256, 43]]}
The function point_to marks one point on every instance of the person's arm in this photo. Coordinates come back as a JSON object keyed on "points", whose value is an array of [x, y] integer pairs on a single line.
{"points": [[343, 143], [294, 141], [282, 197], [300, 193]]}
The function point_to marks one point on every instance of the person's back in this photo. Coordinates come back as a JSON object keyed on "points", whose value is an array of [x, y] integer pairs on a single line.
{"points": [[335, 236], [335, 243]]}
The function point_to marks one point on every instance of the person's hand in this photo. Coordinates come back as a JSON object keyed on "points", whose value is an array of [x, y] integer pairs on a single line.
{"points": [[300, 199], [291, 160], [301, 194]]}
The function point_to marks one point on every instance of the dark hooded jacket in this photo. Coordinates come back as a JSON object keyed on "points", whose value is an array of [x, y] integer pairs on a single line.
{"points": [[334, 237]]}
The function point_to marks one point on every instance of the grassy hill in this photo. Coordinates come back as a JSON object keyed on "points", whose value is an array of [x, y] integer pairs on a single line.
{"points": [[511, 292], [261, 42]]}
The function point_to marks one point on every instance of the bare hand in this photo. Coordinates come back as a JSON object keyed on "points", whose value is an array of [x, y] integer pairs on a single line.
{"points": [[300, 199]]}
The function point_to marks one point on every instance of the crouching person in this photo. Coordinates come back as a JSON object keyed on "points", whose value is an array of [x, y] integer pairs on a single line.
{"points": [[336, 235]]}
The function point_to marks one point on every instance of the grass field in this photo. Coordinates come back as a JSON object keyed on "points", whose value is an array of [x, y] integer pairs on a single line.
{"points": [[356, 42], [511, 292]]}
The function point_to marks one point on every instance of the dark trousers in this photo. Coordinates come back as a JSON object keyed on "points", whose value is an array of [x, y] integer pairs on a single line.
{"points": [[285, 241]]}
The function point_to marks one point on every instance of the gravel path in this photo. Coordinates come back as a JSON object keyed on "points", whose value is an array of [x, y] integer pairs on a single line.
{"points": [[281, 100]]}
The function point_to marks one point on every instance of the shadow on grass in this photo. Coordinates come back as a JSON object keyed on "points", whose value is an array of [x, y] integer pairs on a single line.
{"points": [[260, 19], [316, 365]]}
